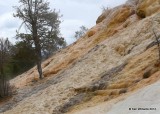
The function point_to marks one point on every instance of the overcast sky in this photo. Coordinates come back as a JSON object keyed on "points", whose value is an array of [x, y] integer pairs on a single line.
{"points": [[75, 14]]}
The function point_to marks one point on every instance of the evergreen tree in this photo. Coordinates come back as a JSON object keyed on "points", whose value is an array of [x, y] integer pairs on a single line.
{"points": [[23, 58], [42, 25], [5, 53], [80, 32]]}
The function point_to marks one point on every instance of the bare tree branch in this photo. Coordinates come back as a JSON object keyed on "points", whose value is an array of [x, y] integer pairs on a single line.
{"points": [[157, 42]]}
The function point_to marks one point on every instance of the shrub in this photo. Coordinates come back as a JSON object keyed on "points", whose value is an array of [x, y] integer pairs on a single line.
{"points": [[123, 91], [141, 13], [147, 74]]}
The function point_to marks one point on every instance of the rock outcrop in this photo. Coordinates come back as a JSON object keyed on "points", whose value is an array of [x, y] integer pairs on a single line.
{"points": [[115, 66]]}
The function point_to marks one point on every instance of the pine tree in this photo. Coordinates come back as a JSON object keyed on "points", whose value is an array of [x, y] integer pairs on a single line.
{"points": [[42, 24]]}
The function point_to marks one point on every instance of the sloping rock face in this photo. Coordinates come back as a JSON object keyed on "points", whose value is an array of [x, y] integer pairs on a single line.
{"points": [[101, 72], [143, 101]]}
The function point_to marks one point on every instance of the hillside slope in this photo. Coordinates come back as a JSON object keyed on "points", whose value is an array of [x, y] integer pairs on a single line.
{"points": [[106, 70]]}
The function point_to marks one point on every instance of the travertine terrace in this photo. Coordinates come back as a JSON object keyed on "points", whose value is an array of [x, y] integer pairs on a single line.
{"points": [[114, 67]]}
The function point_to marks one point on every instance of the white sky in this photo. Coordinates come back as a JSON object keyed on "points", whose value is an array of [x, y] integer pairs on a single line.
{"points": [[75, 14]]}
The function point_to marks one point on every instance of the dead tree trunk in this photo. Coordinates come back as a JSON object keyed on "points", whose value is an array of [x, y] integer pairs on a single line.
{"points": [[157, 43], [37, 50]]}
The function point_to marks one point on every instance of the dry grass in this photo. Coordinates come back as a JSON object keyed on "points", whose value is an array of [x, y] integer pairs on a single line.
{"points": [[119, 85], [91, 33]]}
